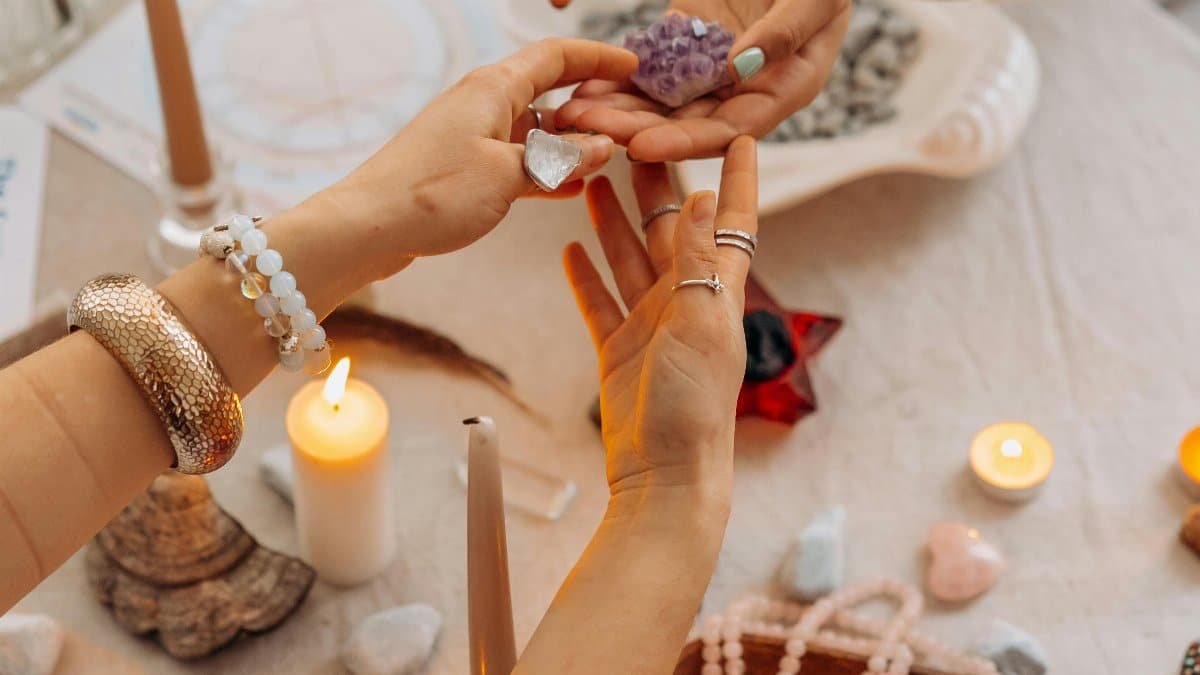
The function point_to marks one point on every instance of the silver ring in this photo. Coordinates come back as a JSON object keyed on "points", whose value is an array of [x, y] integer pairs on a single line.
{"points": [[657, 211], [714, 284], [740, 234], [537, 116], [739, 243], [550, 159]]}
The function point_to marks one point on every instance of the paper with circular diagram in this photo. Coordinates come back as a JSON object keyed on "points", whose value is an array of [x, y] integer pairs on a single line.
{"points": [[297, 93]]}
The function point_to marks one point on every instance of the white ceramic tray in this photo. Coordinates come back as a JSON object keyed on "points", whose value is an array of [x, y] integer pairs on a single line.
{"points": [[962, 105]]}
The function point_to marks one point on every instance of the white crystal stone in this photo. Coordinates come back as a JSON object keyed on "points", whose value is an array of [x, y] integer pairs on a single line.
{"points": [[304, 322], [269, 262], [313, 338], [293, 303], [254, 242], [397, 641], [29, 644], [814, 566], [550, 159], [266, 305], [240, 225], [276, 470], [282, 284]]}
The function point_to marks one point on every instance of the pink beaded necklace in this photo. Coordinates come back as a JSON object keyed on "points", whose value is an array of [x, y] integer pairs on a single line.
{"points": [[888, 647]]}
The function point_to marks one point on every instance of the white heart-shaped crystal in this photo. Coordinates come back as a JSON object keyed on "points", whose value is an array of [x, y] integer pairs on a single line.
{"points": [[550, 159]]}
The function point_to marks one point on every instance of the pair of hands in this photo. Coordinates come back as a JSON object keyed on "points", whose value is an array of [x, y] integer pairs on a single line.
{"points": [[672, 367], [797, 43]]}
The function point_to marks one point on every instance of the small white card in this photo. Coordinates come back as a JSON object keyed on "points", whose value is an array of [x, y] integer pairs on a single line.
{"points": [[23, 146]]}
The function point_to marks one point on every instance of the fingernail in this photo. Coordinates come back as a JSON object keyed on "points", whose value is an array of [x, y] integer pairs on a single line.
{"points": [[704, 208], [748, 63]]}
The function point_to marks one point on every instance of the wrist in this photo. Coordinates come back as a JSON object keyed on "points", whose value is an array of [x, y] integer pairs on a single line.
{"points": [[384, 237], [695, 512]]}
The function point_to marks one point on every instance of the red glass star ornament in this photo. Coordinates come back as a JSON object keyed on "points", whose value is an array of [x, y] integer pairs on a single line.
{"points": [[788, 395]]}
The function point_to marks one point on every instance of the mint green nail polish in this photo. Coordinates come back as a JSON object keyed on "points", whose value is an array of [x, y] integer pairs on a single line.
{"points": [[748, 63]]}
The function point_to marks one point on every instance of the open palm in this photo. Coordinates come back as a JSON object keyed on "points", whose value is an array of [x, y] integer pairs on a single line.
{"points": [[799, 41], [671, 370]]}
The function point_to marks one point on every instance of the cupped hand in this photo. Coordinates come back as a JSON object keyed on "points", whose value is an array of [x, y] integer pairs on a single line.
{"points": [[671, 369], [780, 61], [450, 176]]}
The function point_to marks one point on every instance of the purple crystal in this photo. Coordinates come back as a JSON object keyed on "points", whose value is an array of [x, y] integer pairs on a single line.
{"points": [[680, 58]]}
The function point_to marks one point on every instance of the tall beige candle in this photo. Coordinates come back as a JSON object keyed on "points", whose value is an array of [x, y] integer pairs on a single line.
{"points": [[183, 125], [489, 603], [343, 491]]}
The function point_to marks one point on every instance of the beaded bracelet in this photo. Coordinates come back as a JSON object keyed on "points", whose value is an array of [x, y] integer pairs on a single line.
{"points": [[285, 312]]}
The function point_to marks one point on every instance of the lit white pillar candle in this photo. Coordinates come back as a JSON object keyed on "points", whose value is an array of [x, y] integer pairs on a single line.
{"points": [[343, 496]]}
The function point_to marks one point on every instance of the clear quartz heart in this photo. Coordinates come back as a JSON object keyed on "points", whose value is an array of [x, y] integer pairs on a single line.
{"points": [[550, 159]]}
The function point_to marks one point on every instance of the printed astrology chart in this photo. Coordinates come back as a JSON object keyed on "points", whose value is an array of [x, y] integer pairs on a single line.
{"points": [[296, 93]]}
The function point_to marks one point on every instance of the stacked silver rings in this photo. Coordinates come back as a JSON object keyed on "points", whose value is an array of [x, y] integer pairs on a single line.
{"points": [[737, 238]]}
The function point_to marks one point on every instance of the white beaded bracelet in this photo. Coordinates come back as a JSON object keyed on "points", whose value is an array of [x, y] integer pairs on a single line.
{"points": [[285, 312]]}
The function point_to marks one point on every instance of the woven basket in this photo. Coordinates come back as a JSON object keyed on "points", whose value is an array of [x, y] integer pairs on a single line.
{"points": [[762, 655]]}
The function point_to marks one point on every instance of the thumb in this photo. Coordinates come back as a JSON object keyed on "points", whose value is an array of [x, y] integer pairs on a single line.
{"points": [[779, 33]]}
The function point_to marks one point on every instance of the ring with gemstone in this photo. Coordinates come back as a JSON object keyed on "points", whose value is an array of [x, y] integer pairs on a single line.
{"points": [[713, 283], [550, 159], [657, 211]]}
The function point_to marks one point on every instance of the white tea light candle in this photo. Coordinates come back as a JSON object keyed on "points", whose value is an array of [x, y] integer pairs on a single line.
{"points": [[343, 496], [1011, 461]]}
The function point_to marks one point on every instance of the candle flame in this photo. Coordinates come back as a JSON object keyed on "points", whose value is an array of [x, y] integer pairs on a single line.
{"points": [[335, 384], [1010, 448]]}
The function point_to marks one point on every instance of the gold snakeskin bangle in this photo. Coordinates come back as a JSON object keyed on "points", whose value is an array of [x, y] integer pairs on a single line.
{"points": [[202, 415]]}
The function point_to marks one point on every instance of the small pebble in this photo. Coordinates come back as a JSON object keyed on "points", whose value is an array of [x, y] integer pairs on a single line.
{"points": [[396, 641], [882, 55], [1014, 651], [815, 565], [29, 644], [275, 469]]}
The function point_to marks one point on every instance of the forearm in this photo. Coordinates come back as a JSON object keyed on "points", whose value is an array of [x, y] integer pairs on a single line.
{"points": [[81, 442], [629, 602]]}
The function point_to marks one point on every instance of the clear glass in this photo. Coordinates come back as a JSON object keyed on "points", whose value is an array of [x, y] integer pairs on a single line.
{"points": [[187, 211], [34, 31], [527, 488]]}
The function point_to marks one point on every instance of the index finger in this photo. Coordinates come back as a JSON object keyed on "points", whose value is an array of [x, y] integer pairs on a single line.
{"points": [[737, 206], [557, 62]]}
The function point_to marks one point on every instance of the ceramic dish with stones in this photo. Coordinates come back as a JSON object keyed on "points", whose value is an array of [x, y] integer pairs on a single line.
{"points": [[961, 105]]}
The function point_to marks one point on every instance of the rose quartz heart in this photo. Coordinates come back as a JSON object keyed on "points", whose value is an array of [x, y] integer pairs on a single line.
{"points": [[963, 564]]}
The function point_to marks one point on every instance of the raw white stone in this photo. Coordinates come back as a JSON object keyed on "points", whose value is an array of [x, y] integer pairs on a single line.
{"points": [[815, 565], [396, 641], [1014, 651], [275, 469], [29, 644], [550, 159]]}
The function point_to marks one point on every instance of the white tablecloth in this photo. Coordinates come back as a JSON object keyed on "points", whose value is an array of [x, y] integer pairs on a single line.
{"points": [[1059, 289]]}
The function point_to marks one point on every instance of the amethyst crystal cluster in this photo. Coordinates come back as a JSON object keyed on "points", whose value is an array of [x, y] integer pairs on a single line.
{"points": [[680, 58]]}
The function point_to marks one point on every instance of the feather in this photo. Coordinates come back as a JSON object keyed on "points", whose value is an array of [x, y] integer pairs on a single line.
{"points": [[357, 323]]}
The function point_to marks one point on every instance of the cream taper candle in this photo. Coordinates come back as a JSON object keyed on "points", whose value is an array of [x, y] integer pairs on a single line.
{"points": [[489, 601], [343, 496]]}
